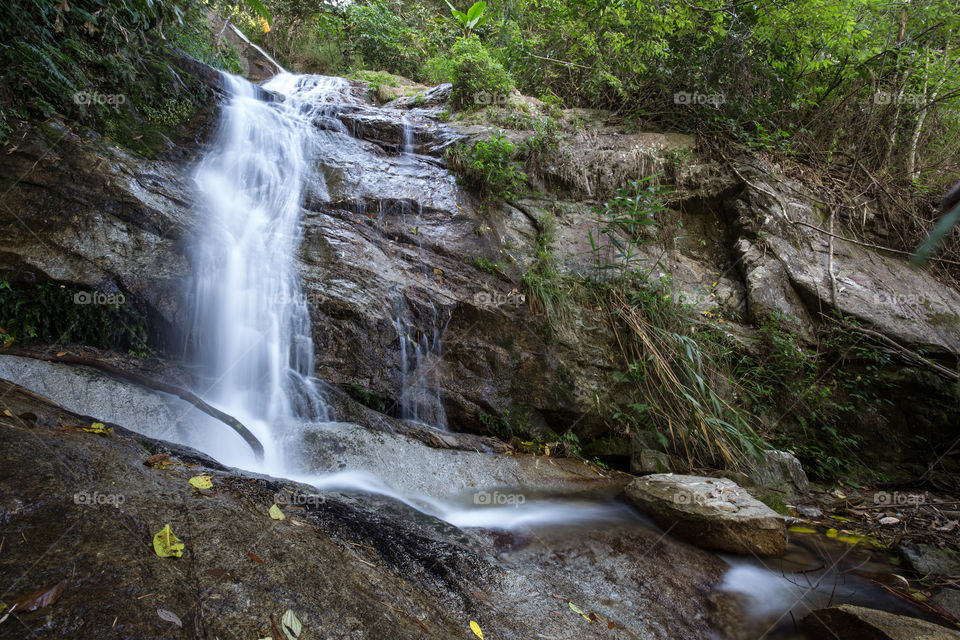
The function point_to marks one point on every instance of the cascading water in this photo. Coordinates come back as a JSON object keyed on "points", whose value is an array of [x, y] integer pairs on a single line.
{"points": [[252, 325]]}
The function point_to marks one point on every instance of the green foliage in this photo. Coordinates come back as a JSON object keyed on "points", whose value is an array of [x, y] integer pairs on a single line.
{"points": [[489, 167], [549, 292], [489, 266], [474, 18], [379, 39], [377, 82], [366, 397], [623, 226], [438, 69], [814, 78], [49, 313], [86, 59], [478, 79], [816, 405]]}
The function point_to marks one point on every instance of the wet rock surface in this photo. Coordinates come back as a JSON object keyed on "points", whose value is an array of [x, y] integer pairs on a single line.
{"points": [[393, 250], [714, 513], [860, 623], [83, 507]]}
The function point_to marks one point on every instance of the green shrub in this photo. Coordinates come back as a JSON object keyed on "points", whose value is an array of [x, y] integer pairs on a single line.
{"points": [[489, 167], [49, 313], [438, 69], [478, 79]]}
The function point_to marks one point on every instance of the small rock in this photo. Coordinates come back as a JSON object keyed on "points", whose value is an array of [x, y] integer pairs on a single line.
{"points": [[930, 560], [860, 623], [809, 512], [889, 520], [715, 513]]}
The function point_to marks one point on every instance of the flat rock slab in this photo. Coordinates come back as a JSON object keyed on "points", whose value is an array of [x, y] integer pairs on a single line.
{"points": [[714, 513], [860, 623]]}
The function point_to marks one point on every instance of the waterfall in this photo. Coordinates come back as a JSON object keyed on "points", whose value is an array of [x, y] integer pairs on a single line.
{"points": [[252, 324]]}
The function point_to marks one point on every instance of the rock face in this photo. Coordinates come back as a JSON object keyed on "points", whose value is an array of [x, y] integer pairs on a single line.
{"points": [[781, 472], [715, 513], [395, 255], [859, 623], [257, 63], [84, 508]]}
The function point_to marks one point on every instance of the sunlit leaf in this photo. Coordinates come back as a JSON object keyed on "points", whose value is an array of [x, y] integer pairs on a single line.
{"points": [[166, 544], [201, 482], [276, 514], [476, 629], [99, 428]]}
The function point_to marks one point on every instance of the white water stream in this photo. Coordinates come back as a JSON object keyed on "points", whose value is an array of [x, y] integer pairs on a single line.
{"points": [[252, 324]]}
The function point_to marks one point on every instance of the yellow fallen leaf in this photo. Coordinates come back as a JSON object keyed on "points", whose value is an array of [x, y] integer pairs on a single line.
{"points": [[167, 545], [577, 609], [201, 482], [796, 529], [476, 629], [439, 272], [99, 428], [276, 514]]}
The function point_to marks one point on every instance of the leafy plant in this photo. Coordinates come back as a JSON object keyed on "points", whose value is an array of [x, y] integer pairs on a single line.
{"points": [[478, 79], [622, 226], [489, 167], [50, 313], [474, 18]]}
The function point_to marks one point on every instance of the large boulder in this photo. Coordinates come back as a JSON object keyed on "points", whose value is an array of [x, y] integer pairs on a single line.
{"points": [[715, 513], [860, 623]]}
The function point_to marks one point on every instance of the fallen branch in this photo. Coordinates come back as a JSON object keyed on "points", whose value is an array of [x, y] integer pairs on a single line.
{"points": [[911, 356], [149, 383]]}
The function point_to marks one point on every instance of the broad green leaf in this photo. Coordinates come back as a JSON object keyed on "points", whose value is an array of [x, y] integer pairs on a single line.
{"points": [[166, 544], [476, 10]]}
